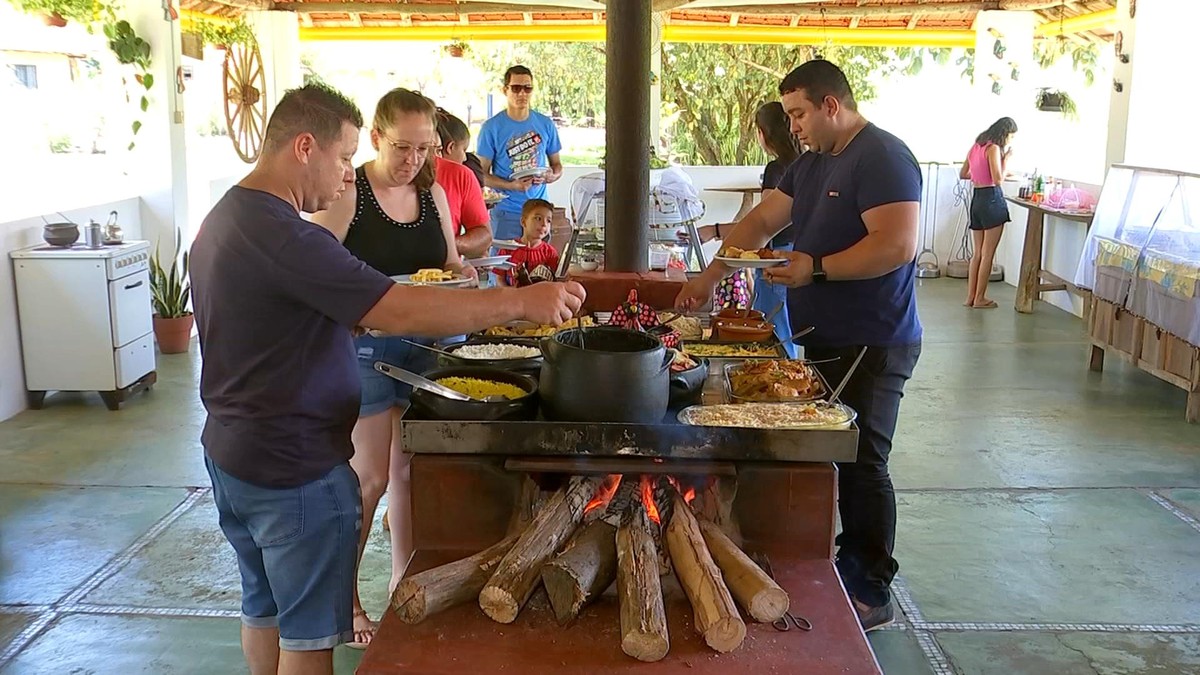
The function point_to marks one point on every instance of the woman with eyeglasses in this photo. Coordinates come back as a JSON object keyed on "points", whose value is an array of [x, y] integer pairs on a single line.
{"points": [[396, 219]]}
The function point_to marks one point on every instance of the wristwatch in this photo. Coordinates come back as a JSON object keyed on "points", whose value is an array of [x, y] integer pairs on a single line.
{"points": [[818, 273]]}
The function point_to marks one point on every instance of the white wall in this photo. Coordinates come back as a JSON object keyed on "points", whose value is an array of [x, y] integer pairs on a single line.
{"points": [[23, 233]]}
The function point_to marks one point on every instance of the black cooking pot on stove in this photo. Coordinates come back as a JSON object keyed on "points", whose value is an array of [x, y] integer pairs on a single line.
{"points": [[605, 374]]}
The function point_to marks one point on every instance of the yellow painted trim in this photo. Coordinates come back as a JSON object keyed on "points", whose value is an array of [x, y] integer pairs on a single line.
{"points": [[1105, 18], [872, 37], [191, 16]]}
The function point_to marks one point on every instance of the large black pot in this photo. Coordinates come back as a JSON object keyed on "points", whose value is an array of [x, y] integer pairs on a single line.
{"points": [[617, 375]]}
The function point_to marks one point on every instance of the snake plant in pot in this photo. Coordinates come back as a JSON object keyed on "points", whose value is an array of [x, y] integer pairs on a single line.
{"points": [[171, 292]]}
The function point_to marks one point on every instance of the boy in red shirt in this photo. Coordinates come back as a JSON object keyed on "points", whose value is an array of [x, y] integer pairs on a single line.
{"points": [[536, 255]]}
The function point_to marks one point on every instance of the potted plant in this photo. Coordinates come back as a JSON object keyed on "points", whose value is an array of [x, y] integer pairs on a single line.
{"points": [[1054, 100], [59, 12], [457, 48], [170, 293]]}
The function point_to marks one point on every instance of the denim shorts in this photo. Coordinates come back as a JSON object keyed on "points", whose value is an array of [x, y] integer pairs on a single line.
{"points": [[296, 550], [380, 392], [988, 208]]}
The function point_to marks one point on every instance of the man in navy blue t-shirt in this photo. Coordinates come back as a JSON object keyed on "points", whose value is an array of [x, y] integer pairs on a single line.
{"points": [[276, 298], [854, 203]]}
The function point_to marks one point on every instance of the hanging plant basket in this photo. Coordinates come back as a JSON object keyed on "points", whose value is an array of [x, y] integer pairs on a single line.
{"points": [[456, 49], [1051, 100], [54, 19]]}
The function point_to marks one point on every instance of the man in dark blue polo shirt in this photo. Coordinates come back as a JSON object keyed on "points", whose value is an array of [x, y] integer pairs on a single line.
{"points": [[854, 202], [276, 298]]}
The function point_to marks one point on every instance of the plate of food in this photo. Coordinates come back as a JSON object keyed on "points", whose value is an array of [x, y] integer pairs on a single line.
{"points": [[775, 380], [536, 172], [433, 277], [488, 261], [763, 257], [808, 416], [492, 196]]}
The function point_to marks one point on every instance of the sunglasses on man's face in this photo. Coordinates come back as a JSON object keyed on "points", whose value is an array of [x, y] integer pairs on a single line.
{"points": [[519, 88]]}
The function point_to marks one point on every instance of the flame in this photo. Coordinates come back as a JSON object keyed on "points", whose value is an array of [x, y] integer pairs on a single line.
{"points": [[604, 493], [647, 490], [688, 494]]}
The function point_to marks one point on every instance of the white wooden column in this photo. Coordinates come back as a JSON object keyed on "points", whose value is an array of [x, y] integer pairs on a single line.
{"points": [[278, 35], [158, 161], [656, 62]]}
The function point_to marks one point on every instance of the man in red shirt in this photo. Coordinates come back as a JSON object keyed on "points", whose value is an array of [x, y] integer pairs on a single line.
{"points": [[536, 255], [468, 211]]}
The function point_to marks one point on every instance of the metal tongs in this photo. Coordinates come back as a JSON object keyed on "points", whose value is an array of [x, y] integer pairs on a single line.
{"points": [[788, 621]]}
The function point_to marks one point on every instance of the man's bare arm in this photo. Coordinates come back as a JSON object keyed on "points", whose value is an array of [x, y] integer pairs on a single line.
{"points": [[765, 220], [475, 242], [440, 312]]}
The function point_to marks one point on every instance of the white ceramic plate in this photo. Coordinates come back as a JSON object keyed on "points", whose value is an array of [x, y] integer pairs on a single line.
{"points": [[751, 263], [529, 173], [507, 243], [456, 282], [490, 261]]}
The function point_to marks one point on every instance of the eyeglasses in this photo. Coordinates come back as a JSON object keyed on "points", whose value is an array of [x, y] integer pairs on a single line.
{"points": [[518, 88], [408, 149]]}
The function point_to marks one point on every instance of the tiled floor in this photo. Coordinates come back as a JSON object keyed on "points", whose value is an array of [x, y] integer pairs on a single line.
{"points": [[1048, 519]]}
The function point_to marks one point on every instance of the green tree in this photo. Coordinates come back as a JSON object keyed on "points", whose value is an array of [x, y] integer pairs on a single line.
{"points": [[569, 75], [711, 91]]}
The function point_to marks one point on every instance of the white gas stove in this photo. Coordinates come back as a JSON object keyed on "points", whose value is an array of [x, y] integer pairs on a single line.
{"points": [[86, 319]]}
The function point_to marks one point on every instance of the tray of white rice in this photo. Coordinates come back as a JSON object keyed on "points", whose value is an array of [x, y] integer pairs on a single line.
{"points": [[523, 355]]}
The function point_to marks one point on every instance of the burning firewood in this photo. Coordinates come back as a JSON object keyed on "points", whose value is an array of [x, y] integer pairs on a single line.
{"points": [[434, 590], [581, 573], [762, 598], [643, 619], [518, 573], [716, 616]]}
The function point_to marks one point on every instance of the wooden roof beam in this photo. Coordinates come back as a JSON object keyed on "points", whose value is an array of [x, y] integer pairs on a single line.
{"points": [[912, 23]]}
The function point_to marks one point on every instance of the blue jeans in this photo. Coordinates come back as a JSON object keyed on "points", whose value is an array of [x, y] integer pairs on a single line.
{"points": [[380, 392], [506, 225], [296, 550]]}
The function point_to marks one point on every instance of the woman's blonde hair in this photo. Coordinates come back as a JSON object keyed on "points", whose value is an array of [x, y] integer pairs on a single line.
{"points": [[406, 101]]}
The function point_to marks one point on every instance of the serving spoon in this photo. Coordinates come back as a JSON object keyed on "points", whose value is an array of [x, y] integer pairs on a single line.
{"points": [[412, 379]]}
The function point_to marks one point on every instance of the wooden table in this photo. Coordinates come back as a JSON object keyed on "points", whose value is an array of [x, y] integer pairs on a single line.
{"points": [[748, 194], [1034, 280]]}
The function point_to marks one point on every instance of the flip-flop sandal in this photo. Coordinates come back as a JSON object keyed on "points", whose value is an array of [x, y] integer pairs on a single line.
{"points": [[989, 305], [373, 630]]}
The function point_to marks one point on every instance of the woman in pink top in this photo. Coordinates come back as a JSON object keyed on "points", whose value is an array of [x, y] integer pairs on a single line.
{"points": [[986, 165]]}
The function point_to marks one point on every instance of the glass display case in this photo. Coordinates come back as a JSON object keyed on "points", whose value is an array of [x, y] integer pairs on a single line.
{"points": [[1142, 253]]}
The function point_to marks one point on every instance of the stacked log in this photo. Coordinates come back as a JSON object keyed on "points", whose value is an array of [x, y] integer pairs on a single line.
{"points": [[643, 617], [716, 617]]}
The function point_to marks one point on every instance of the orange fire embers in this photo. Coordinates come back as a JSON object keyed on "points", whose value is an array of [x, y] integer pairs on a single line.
{"points": [[689, 492], [604, 493], [647, 492]]}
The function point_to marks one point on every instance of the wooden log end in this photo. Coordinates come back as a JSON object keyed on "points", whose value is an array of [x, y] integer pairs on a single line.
{"points": [[498, 604], [646, 647], [726, 634], [563, 589], [409, 602], [769, 605]]}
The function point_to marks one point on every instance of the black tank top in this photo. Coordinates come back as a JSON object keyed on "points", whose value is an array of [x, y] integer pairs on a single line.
{"points": [[388, 245]]}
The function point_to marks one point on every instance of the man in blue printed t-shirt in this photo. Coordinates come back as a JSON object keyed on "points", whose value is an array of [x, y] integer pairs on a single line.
{"points": [[518, 149], [854, 202]]}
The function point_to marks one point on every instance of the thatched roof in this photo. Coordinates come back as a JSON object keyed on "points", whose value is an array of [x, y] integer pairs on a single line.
{"points": [[1082, 19]]}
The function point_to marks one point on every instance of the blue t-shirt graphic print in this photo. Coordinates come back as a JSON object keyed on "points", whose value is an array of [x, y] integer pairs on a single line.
{"points": [[514, 147]]}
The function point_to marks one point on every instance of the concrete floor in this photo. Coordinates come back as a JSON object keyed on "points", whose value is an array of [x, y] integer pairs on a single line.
{"points": [[1048, 518]]}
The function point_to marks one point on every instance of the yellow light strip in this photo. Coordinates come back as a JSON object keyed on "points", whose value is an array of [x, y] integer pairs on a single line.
{"points": [[1105, 18], [867, 37]]}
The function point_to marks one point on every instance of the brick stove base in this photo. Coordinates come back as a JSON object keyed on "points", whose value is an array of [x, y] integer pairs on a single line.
{"points": [[462, 504]]}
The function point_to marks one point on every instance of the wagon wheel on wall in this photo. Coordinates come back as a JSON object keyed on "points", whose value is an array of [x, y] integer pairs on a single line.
{"points": [[244, 83]]}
